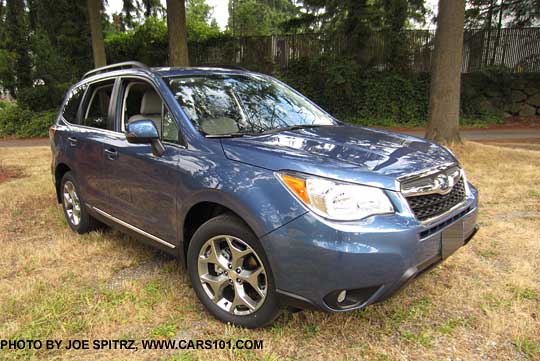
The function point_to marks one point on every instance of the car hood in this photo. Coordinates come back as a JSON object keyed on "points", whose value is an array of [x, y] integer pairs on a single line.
{"points": [[356, 154]]}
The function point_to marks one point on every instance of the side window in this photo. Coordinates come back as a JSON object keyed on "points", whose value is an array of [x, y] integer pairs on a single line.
{"points": [[141, 101], [170, 128], [71, 108], [98, 99]]}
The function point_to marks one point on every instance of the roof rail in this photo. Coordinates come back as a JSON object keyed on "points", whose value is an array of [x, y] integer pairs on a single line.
{"points": [[117, 66], [224, 66]]}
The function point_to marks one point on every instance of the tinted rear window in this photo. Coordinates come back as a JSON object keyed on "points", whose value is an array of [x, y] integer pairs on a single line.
{"points": [[71, 108]]}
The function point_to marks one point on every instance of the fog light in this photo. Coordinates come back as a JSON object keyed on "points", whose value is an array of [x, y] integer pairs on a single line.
{"points": [[341, 296]]}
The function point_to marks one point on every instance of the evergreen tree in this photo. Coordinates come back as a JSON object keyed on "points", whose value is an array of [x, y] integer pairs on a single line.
{"points": [[489, 14], [358, 20], [44, 48], [200, 24], [2, 13], [64, 25], [259, 17], [16, 63], [130, 11], [152, 8]]}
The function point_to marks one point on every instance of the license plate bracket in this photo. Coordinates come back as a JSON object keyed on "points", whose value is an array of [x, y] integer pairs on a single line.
{"points": [[451, 239]]}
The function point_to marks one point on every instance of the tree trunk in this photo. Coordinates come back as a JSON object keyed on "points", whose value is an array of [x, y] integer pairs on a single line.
{"points": [[443, 111], [98, 46], [498, 39], [176, 23], [489, 25]]}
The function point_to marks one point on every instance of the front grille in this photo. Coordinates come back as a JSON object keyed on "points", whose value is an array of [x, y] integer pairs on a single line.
{"points": [[432, 205]]}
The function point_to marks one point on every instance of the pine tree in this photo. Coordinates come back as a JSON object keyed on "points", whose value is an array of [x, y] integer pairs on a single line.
{"points": [[17, 44], [260, 17], [130, 10], [151, 7]]}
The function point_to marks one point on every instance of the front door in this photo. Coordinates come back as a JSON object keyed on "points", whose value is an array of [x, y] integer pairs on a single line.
{"points": [[141, 185]]}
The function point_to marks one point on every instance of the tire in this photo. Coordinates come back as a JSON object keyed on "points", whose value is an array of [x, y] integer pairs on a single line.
{"points": [[77, 216], [242, 290]]}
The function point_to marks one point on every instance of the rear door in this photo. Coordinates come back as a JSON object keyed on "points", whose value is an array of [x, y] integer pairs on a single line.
{"points": [[85, 130], [142, 186]]}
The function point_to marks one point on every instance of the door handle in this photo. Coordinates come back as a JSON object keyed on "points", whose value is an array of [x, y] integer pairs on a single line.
{"points": [[73, 141], [112, 153]]}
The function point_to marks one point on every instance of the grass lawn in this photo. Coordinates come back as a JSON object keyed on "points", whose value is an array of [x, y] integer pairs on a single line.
{"points": [[482, 303]]}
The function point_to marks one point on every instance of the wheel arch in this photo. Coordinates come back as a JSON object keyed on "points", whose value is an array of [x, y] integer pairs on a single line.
{"points": [[59, 171], [201, 211]]}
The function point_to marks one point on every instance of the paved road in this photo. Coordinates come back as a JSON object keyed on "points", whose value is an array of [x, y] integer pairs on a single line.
{"points": [[521, 135]]}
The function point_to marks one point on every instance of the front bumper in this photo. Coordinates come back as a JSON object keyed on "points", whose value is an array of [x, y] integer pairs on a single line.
{"points": [[314, 259]]}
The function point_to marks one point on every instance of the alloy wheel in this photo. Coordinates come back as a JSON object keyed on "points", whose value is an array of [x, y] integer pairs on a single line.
{"points": [[232, 275], [72, 203]]}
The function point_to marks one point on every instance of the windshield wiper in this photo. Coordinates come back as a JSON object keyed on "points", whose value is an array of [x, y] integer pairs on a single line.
{"points": [[269, 131], [229, 135]]}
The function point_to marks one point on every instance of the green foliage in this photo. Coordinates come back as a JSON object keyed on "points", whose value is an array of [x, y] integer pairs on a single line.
{"points": [[496, 13], [24, 123], [151, 7], [528, 347], [392, 98], [167, 330], [402, 97], [363, 21], [146, 43], [357, 96], [45, 47], [149, 42], [15, 61], [259, 17], [43, 96], [130, 12], [199, 24]]}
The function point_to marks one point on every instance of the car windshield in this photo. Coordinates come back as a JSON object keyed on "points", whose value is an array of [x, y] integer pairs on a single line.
{"points": [[241, 104]]}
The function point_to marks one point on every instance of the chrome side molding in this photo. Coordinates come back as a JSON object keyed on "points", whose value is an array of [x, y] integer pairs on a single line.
{"points": [[133, 228]]}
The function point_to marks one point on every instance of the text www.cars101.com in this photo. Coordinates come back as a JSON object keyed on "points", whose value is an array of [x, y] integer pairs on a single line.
{"points": [[201, 344]]}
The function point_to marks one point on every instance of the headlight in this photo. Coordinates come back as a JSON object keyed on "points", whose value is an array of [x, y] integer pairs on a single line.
{"points": [[336, 200]]}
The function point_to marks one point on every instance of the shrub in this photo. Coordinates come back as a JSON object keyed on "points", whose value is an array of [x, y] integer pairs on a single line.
{"points": [[24, 123], [351, 94], [146, 43], [391, 98]]}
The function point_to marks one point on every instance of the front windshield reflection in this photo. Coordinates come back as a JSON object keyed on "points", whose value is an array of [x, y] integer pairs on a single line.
{"points": [[232, 104]]}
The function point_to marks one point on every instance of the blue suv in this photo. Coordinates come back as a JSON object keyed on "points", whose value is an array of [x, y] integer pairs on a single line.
{"points": [[264, 197]]}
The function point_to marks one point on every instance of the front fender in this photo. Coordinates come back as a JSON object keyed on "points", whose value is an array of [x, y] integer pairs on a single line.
{"points": [[253, 193]]}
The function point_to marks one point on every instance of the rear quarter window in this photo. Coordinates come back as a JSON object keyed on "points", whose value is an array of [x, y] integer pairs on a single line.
{"points": [[71, 108]]}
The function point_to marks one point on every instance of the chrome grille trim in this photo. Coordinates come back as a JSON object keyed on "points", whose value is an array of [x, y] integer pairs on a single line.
{"points": [[433, 193], [439, 182]]}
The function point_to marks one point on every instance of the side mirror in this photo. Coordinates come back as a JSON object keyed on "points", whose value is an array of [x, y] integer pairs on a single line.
{"points": [[141, 132], [144, 131]]}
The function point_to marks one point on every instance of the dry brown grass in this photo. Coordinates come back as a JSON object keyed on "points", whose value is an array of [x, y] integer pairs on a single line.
{"points": [[483, 303], [7, 173]]}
